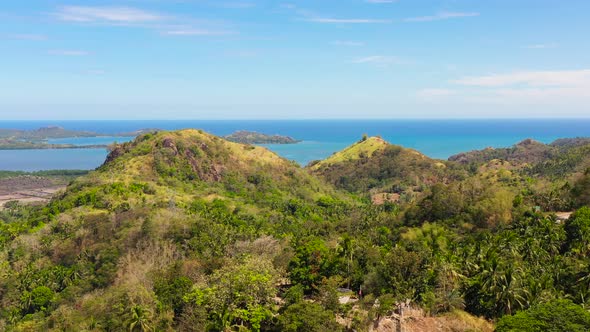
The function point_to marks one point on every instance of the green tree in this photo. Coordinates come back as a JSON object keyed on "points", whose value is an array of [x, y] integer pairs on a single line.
{"points": [[140, 319], [555, 316], [577, 228], [41, 297], [307, 317], [239, 294]]}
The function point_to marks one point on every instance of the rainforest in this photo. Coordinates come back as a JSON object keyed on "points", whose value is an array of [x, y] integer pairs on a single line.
{"points": [[185, 231]]}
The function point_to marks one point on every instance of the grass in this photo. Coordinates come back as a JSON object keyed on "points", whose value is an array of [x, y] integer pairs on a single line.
{"points": [[356, 151]]}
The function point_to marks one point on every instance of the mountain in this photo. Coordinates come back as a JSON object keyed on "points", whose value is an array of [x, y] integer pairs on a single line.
{"points": [[165, 212], [185, 231], [374, 166], [560, 158]]}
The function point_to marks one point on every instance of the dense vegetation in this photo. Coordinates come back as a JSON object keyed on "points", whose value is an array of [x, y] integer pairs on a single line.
{"points": [[186, 231], [43, 133], [252, 137]]}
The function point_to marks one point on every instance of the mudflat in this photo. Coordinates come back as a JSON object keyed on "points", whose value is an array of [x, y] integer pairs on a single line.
{"points": [[29, 189]]}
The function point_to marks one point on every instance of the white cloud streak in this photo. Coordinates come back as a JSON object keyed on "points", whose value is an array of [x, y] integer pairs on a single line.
{"points": [[165, 25], [560, 88], [380, 60], [530, 78], [113, 15], [196, 32], [346, 20], [68, 52], [541, 46], [441, 16], [32, 37], [350, 43]]}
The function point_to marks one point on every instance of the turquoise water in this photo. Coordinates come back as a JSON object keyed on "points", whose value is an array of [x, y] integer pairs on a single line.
{"points": [[435, 138], [36, 160]]}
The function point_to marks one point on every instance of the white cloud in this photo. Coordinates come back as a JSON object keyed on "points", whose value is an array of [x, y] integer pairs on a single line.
{"points": [[559, 89], [195, 32], [95, 72], [530, 78], [68, 52], [541, 46], [435, 93], [441, 16], [347, 43], [380, 60], [238, 5], [113, 15], [166, 25], [33, 37], [346, 20]]}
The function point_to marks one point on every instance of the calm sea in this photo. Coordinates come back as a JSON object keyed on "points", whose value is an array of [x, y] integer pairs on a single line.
{"points": [[435, 138]]}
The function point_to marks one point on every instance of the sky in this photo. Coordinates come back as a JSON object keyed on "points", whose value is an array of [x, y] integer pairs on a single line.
{"points": [[307, 59]]}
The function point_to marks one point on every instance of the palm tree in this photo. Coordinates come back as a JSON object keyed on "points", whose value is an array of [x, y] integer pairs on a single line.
{"points": [[508, 293], [140, 319]]}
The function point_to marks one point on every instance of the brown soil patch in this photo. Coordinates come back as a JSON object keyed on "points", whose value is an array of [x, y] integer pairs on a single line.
{"points": [[382, 198], [28, 189]]}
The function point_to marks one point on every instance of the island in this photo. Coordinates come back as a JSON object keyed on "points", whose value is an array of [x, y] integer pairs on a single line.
{"points": [[12, 144], [43, 133], [252, 137], [18, 139]]}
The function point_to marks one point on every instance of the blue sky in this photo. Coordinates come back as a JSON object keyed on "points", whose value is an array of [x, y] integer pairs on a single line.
{"points": [[234, 59]]}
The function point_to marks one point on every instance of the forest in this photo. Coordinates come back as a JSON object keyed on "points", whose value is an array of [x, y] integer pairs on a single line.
{"points": [[185, 231]]}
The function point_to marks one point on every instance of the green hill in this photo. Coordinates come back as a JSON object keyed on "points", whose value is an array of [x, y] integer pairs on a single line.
{"points": [[375, 166], [165, 212], [185, 231]]}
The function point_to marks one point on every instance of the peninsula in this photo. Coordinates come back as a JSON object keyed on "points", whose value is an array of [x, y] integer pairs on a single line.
{"points": [[252, 137]]}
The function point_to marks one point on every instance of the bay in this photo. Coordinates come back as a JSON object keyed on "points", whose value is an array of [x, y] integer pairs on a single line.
{"points": [[435, 138]]}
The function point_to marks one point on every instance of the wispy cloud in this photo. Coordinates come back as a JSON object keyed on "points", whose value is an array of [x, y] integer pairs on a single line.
{"points": [[310, 16], [530, 78], [441, 16], [68, 52], [380, 60], [559, 88], [33, 37], [110, 15], [95, 72], [196, 32], [350, 43], [164, 24], [346, 20], [541, 46], [435, 95], [238, 5]]}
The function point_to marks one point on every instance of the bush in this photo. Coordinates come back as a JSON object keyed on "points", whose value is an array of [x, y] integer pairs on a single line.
{"points": [[555, 316], [307, 317]]}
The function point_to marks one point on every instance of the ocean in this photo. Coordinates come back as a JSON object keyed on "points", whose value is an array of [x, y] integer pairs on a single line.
{"points": [[434, 138]]}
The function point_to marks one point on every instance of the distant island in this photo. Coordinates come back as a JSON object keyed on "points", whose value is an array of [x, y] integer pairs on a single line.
{"points": [[12, 144], [44, 133], [252, 137], [18, 139]]}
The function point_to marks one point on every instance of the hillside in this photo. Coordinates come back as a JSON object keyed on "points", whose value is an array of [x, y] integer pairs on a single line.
{"points": [[166, 209], [563, 156], [185, 231], [375, 166]]}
